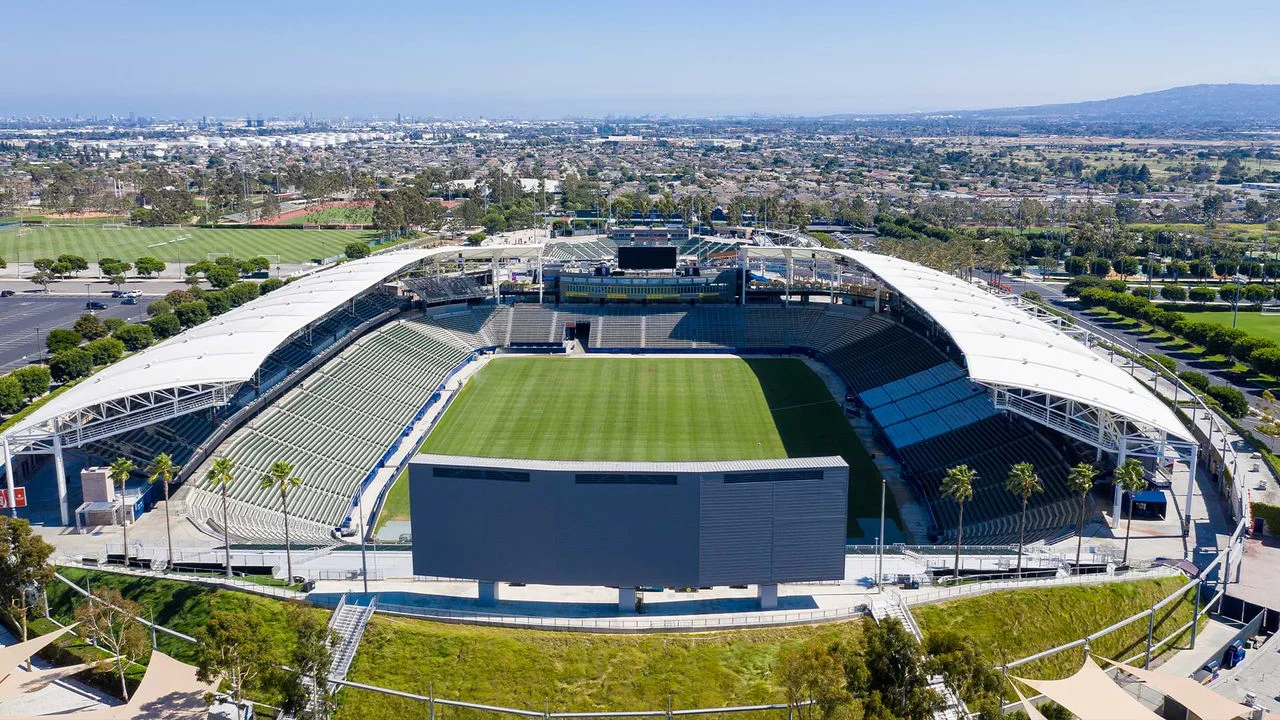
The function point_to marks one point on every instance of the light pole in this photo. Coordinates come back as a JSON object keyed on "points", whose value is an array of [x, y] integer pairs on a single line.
{"points": [[880, 543], [1151, 263], [1235, 306]]}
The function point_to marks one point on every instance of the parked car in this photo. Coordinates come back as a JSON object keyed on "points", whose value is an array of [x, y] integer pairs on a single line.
{"points": [[6, 293], [95, 305], [130, 300], [117, 293]]}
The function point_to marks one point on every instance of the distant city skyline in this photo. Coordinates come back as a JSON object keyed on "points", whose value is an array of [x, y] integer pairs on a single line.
{"points": [[577, 59]]}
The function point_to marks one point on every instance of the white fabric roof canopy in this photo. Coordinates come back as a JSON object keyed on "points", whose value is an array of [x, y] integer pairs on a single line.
{"points": [[230, 347], [1005, 345]]}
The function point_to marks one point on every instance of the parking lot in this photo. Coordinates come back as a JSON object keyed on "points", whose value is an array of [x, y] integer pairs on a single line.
{"points": [[26, 318]]}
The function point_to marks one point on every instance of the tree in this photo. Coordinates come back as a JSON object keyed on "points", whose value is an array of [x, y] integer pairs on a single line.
{"points": [[1023, 483], [1131, 478], [958, 485], [222, 276], [1175, 293], [60, 339], [1231, 400], [1125, 266], [896, 672], [221, 476], [120, 471], [113, 324], [1080, 482], [67, 365], [1256, 294], [24, 567], [269, 284], [307, 693], [230, 646], [89, 326], [1202, 295], [105, 351], [280, 477], [43, 278], [356, 250], [111, 621], [964, 668], [10, 395], [165, 325], [163, 470], [34, 379], [135, 337], [159, 307], [118, 280], [812, 676], [148, 266], [191, 313]]}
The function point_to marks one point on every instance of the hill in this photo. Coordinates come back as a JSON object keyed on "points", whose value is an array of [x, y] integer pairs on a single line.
{"points": [[1191, 104]]}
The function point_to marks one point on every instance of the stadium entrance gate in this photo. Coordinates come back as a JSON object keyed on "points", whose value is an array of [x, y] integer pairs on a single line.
{"points": [[578, 330]]}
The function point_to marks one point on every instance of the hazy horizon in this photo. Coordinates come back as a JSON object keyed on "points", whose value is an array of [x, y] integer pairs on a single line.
{"points": [[575, 59]]}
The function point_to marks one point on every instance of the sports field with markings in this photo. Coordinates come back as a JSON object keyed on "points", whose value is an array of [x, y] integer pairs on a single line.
{"points": [[173, 244]]}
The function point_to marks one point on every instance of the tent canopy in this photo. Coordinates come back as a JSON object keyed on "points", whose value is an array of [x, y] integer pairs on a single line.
{"points": [[1200, 700], [1091, 694]]}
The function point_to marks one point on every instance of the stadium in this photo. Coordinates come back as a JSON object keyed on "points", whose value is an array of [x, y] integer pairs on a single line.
{"points": [[626, 412]]}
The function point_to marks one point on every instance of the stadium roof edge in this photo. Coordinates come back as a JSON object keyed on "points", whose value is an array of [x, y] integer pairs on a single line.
{"points": [[228, 349], [1006, 346]]}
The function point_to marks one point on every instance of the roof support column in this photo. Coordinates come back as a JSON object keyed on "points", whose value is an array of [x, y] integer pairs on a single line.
{"points": [[791, 266], [9, 479], [1117, 491], [1191, 484], [60, 473], [493, 271]]}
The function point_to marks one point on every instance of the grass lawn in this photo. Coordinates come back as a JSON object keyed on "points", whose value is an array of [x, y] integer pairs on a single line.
{"points": [[534, 669], [1017, 623], [657, 409], [1251, 321], [129, 243]]}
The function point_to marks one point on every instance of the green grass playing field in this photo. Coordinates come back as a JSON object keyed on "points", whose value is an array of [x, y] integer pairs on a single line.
{"points": [[129, 243], [1253, 322], [657, 409]]}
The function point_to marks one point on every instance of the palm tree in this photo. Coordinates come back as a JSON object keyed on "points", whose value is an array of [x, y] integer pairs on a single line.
{"points": [[1132, 479], [280, 475], [220, 476], [1080, 482], [162, 470], [958, 485], [120, 471], [1023, 483]]}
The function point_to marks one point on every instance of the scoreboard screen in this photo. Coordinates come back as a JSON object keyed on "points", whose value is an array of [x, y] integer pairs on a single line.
{"points": [[652, 257]]}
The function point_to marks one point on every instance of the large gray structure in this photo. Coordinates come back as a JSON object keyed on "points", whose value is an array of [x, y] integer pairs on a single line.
{"points": [[676, 524]]}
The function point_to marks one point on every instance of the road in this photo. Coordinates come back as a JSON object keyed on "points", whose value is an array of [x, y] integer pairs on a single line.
{"points": [[25, 320]]}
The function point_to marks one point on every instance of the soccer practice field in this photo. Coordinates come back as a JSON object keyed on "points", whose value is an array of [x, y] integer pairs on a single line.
{"points": [[1251, 321], [656, 409], [173, 244]]}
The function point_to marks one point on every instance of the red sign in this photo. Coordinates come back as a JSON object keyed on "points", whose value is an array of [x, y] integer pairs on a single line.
{"points": [[19, 498]]}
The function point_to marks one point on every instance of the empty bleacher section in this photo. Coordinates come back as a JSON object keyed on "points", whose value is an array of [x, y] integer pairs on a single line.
{"points": [[577, 250], [936, 419], [444, 288], [182, 436], [333, 428], [877, 351]]}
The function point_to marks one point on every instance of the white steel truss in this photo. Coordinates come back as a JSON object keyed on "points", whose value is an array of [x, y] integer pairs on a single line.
{"points": [[113, 417]]}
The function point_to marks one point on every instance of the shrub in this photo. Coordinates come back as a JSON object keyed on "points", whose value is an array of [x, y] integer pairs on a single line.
{"points": [[34, 379], [165, 325], [1270, 515], [1165, 361], [1197, 380], [70, 364], [1232, 400], [217, 302], [10, 395], [177, 297], [1175, 293], [60, 339], [113, 324], [159, 307], [135, 337], [270, 284], [1079, 283], [241, 293], [105, 351], [1144, 292], [356, 250]]}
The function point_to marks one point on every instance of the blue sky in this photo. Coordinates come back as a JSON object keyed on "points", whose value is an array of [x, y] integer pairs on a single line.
{"points": [[558, 59]]}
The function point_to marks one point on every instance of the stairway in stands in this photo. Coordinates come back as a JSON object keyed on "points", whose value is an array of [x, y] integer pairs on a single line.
{"points": [[893, 607]]}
